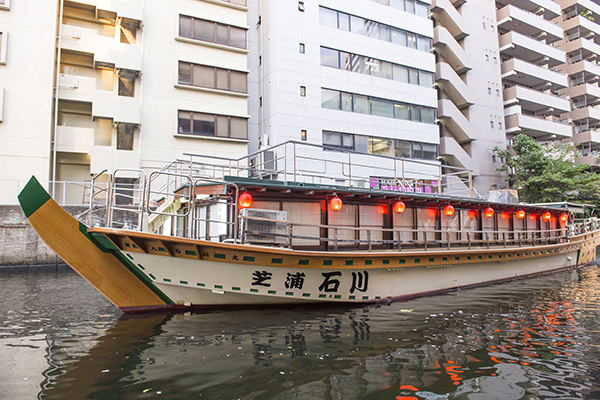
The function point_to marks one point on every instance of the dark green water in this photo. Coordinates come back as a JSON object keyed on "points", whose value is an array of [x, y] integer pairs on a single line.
{"points": [[537, 338]]}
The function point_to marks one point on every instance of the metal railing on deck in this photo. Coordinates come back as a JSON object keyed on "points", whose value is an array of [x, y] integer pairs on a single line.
{"points": [[305, 162]]}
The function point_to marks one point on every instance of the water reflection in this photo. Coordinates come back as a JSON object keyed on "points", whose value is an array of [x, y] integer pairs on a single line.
{"points": [[531, 339]]}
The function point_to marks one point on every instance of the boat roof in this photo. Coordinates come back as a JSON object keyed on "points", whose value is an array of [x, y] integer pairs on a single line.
{"points": [[576, 208], [315, 188]]}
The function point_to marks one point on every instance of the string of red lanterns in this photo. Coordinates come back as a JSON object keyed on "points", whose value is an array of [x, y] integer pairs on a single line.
{"points": [[245, 201]]}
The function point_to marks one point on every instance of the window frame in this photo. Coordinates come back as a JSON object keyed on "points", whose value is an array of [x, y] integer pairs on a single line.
{"points": [[216, 127], [215, 79], [216, 25]]}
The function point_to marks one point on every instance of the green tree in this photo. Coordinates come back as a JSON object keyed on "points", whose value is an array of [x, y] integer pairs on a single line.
{"points": [[545, 174]]}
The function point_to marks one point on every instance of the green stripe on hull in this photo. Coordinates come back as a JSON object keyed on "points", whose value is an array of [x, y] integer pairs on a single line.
{"points": [[32, 197], [107, 246]]}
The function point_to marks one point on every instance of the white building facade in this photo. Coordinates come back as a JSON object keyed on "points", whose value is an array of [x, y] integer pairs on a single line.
{"points": [[350, 75], [137, 83]]}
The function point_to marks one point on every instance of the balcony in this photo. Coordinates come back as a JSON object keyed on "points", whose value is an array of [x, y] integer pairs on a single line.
{"points": [[591, 160], [587, 48], [516, 45], [131, 9], [76, 88], [537, 127], [590, 92], [453, 85], [106, 157], [107, 51], [71, 139], [452, 52], [527, 74], [584, 25], [512, 18], [586, 113], [456, 156], [109, 105], [583, 66], [587, 4], [548, 9], [455, 121], [592, 137], [447, 15], [535, 101]]}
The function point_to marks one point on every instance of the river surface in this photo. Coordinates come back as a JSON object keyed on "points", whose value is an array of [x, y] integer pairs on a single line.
{"points": [[536, 338]]}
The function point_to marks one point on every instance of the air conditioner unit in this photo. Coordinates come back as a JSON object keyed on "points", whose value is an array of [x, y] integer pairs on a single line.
{"points": [[264, 231], [266, 161]]}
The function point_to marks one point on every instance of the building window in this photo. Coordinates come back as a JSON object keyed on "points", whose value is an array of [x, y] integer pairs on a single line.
{"points": [[303, 135], [336, 100], [491, 124], [376, 30], [302, 48], [303, 91], [4, 4], [484, 25], [212, 77], [259, 60], [3, 47], [372, 66], [126, 82], [300, 6], [495, 60], [487, 57], [213, 32], [500, 125], [201, 124], [489, 90], [260, 101], [497, 92], [125, 136], [411, 6], [338, 140]]}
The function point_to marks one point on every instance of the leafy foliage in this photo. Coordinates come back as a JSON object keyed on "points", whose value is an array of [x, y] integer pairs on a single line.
{"points": [[544, 174]]}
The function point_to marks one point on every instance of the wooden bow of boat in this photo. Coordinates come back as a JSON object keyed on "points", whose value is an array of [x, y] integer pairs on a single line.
{"points": [[91, 255]]}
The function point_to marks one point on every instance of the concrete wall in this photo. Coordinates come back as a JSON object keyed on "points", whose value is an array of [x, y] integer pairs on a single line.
{"points": [[20, 244]]}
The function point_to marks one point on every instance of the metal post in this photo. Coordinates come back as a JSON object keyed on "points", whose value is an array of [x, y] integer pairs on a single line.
{"points": [[350, 169], [369, 240], [425, 237], [289, 226], [399, 241], [335, 237], [448, 239], [487, 234], [469, 239], [504, 238]]}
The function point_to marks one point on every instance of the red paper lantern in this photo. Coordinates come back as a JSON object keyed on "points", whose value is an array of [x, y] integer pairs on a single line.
{"points": [[399, 207], [520, 214], [472, 213], [449, 210], [432, 211], [335, 204], [564, 217], [488, 212], [533, 217], [245, 200], [505, 215], [547, 216], [382, 209]]}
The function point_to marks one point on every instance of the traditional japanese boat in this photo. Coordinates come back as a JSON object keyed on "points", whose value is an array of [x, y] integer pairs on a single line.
{"points": [[212, 232]]}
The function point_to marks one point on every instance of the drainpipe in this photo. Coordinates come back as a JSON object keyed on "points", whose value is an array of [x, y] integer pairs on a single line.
{"points": [[55, 125]]}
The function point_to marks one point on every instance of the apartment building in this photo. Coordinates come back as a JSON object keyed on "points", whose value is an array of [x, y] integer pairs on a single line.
{"points": [[469, 85], [137, 84], [580, 21], [352, 75]]}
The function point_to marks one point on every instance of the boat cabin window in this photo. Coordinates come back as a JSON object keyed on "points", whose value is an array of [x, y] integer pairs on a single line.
{"points": [[304, 213], [427, 221], [369, 218], [346, 217], [404, 222]]}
